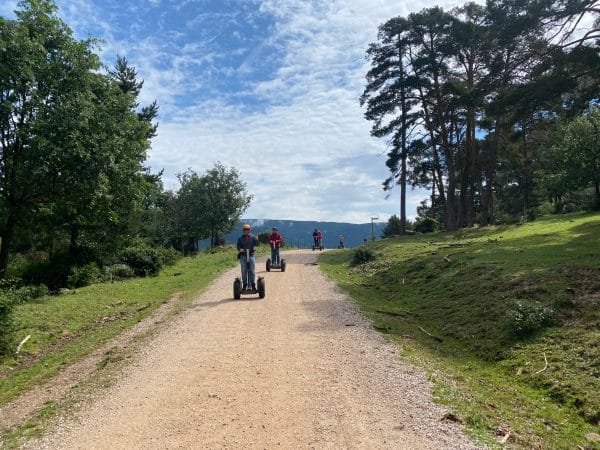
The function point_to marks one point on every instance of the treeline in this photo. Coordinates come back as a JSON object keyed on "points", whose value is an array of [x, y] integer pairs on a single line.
{"points": [[490, 107], [75, 195]]}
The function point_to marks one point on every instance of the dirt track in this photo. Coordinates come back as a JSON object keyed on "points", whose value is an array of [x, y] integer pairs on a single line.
{"points": [[299, 369]]}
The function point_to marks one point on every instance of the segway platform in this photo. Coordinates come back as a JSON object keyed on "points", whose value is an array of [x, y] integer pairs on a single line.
{"points": [[238, 291], [271, 266]]}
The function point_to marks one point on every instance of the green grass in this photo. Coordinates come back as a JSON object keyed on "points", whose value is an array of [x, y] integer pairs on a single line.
{"points": [[65, 328], [495, 300]]}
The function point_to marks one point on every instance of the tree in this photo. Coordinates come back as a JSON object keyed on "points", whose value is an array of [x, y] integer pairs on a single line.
{"points": [[389, 102], [393, 227], [45, 79], [479, 88], [227, 200], [210, 205], [576, 155]]}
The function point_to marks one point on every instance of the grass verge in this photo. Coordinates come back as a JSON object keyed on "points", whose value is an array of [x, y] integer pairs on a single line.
{"points": [[65, 328], [505, 319]]}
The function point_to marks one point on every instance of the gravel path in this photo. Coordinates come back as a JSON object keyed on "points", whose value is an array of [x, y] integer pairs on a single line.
{"points": [[298, 369]]}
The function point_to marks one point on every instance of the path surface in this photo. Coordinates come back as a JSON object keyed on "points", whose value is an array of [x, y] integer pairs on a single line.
{"points": [[299, 369]]}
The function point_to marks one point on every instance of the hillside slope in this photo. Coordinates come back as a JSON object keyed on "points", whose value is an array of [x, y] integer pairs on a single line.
{"points": [[507, 318]]}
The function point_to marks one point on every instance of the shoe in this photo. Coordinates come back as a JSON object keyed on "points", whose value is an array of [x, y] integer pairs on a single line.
{"points": [[253, 287], [244, 288]]}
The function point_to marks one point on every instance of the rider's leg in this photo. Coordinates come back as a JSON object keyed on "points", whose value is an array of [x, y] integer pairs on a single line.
{"points": [[277, 256], [244, 272], [251, 274], [273, 255]]}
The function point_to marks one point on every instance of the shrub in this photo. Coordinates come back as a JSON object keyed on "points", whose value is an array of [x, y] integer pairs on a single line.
{"points": [[426, 225], [6, 322], [362, 255], [144, 260], [117, 272], [168, 256], [83, 276], [525, 318], [14, 288]]}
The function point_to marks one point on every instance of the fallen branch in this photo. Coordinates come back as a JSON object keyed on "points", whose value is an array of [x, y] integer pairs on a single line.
{"points": [[430, 335], [23, 343], [545, 366], [447, 259]]}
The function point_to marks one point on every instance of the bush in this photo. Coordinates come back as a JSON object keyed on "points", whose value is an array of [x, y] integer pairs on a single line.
{"points": [[144, 260], [83, 276], [117, 272], [526, 318], [6, 323], [20, 294], [52, 274], [168, 256], [362, 255], [426, 225]]}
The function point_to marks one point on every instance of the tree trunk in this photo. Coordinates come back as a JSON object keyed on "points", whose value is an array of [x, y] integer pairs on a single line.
{"points": [[451, 224], [403, 147], [597, 184], [7, 237]]}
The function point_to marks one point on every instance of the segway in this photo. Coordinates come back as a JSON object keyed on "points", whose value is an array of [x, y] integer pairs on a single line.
{"points": [[237, 284], [272, 265]]}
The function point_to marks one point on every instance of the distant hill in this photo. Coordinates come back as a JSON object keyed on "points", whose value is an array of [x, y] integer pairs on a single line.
{"points": [[299, 232]]}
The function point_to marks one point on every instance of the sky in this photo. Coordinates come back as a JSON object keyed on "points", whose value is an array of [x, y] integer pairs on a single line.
{"points": [[270, 87]]}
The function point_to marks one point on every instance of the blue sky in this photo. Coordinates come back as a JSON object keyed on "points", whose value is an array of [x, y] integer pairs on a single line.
{"points": [[268, 86]]}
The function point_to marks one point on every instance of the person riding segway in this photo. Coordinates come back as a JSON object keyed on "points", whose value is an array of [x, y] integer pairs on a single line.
{"points": [[245, 246], [318, 240], [275, 241]]}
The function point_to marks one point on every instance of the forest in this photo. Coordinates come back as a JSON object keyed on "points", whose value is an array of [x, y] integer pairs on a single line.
{"points": [[492, 108], [77, 202]]}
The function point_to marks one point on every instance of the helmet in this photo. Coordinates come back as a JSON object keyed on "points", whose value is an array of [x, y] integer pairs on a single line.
{"points": [[275, 228], [246, 227]]}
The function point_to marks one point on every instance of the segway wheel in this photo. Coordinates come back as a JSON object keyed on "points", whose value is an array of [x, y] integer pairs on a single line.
{"points": [[313, 247], [261, 287], [237, 289], [283, 265], [269, 265]]}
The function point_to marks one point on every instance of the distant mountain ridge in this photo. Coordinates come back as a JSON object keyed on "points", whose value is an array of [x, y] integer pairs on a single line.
{"points": [[299, 232]]}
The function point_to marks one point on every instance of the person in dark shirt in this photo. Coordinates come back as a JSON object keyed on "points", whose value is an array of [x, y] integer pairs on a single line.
{"points": [[247, 241]]}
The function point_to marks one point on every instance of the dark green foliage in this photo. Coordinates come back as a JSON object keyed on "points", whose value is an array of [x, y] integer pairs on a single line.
{"points": [[143, 260], [486, 85], [117, 272], [529, 317], [393, 227], [83, 276], [426, 225], [362, 255], [53, 273]]}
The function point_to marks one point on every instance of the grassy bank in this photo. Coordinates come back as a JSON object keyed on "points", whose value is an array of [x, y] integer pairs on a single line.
{"points": [[506, 319], [64, 328]]}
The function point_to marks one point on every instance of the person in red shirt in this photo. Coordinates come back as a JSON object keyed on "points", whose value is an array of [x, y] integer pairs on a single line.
{"points": [[275, 240]]}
